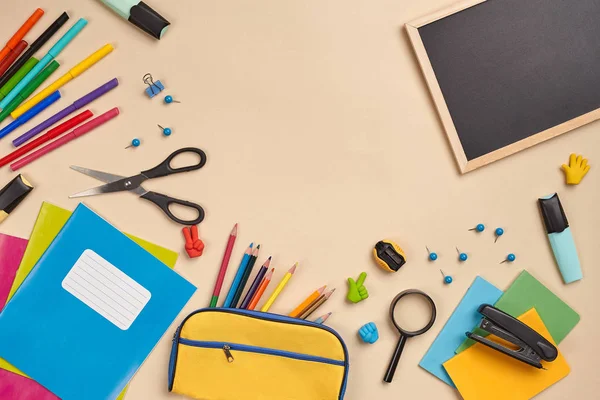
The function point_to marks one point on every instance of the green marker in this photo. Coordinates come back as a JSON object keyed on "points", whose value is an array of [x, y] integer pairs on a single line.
{"points": [[29, 89], [16, 78]]}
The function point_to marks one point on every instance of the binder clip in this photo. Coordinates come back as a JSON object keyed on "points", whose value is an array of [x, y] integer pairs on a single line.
{"points": [[154, 87], [531, 346]]}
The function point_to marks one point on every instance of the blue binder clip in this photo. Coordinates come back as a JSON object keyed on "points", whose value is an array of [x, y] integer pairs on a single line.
{"points": [[154, 87]]}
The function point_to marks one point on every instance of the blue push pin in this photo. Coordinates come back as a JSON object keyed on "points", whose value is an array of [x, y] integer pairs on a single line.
{"points": [[166, 131], [478, 228], [509, 258], [499, 232], [462, 256], [134, 143], [432, 256], [447, 278], [169, 99]]}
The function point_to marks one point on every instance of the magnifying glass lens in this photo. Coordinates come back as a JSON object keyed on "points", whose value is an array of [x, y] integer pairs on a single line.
{"points": [[412, 313]]}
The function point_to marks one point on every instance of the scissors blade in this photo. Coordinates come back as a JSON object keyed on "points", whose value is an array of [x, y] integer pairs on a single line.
{"points": [[99, 175], [125, 184]]}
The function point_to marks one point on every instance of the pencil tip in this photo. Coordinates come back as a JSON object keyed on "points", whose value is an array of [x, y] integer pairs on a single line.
{"points": [[321, 289], [293, 269], [251, 244], [234, 230], [258, 247], [270, 257], [328, 294]]}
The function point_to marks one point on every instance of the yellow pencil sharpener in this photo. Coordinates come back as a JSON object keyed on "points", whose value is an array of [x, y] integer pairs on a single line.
{"points": [[389, 255]]}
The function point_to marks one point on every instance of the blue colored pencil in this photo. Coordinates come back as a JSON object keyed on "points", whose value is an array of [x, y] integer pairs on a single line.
{"points": [[238, 276]]}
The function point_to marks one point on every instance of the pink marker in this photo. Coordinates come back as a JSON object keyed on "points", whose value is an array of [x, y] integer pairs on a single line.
{"points": [[74, 134]]}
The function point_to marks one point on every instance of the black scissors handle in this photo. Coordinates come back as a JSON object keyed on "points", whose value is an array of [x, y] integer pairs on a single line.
{"points": [[164, 168], [164, 202]]}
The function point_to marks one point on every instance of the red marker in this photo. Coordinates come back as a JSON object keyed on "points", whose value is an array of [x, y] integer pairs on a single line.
{"points": [[74, 134], [51, 134], [7, 62]]}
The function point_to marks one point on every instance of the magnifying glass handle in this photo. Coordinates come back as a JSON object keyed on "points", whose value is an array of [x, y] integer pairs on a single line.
{"points": [[389, 375]]}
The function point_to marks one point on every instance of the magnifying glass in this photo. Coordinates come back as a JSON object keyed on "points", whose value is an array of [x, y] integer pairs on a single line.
{"points": [[414, 294]]}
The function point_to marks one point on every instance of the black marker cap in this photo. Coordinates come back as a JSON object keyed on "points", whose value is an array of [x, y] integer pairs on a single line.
{"points": [[148, 20], [553, 214]]}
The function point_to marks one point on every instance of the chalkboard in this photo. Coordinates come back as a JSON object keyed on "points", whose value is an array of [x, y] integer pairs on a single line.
{"points": [[508, 74]]}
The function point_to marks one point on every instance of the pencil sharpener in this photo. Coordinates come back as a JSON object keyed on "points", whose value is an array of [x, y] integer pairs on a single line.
{"points": [[389, 256]]}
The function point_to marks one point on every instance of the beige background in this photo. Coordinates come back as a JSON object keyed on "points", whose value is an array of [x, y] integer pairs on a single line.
{"points": [[321, 139]]}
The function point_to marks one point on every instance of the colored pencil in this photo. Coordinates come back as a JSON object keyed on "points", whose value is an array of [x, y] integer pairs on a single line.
{"points": [[77, 104], [307, 302], [74, 134], [20, 34], [224, 264], [35, 46], [261, 290], [247, 272], [279, 288], [12, 82], [30, 88], [52, 53], [51, 134], [322, 318], [256, 283], [238, 276], [9, 59], [73, 73], [307, 313]]}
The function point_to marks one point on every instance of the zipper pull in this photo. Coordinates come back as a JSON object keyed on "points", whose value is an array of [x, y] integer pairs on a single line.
{"points": [[227, 351]]}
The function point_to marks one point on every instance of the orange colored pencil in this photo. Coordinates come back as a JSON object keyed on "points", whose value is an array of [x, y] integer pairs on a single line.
{"points": [[261, 290], [20, 34], [314, 296]]}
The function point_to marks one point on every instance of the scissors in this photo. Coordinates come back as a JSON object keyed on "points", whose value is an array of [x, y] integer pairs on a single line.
{"points": [[118, 183]]}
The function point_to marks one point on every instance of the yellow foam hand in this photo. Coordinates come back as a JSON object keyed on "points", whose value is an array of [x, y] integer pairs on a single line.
{"points": [[576, 170]]}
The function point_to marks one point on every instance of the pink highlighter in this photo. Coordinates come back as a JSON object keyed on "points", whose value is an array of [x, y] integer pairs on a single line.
{"points": [[74, 134]]}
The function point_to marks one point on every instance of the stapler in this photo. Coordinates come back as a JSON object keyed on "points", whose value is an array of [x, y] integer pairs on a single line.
{"points": [[532, 347]]}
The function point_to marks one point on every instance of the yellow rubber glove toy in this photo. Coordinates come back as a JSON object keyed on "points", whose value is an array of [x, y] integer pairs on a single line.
{"points": [[576, 170]]}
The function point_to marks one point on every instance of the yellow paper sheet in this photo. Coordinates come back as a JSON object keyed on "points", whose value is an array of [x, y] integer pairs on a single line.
{"points": [[50, 221], [481, 372]]}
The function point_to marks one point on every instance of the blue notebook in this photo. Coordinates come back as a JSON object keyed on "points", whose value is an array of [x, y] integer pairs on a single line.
{"points": [[463, 319], [90, 311]]}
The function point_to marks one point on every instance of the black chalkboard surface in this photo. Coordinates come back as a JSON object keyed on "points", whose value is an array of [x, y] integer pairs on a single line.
{"points": [[508, 70]]}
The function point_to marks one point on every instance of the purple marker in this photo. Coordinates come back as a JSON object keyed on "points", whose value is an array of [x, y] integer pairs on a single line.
{"points": [[88, 98]]}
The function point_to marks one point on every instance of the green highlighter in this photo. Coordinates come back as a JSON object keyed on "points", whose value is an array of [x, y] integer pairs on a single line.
{"points": [[16, 78], [29, 89]]}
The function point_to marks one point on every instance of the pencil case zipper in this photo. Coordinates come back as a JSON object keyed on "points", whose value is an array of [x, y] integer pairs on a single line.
{"points": [[229, 350], [264, 316]]}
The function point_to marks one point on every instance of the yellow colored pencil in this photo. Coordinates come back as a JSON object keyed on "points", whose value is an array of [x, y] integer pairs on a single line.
{"points": [[63, 80], [279, 289], [306, 303]]}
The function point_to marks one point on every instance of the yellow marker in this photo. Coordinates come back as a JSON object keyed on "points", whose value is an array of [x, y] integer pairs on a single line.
{"points": [[60, 82], [279, 289]]}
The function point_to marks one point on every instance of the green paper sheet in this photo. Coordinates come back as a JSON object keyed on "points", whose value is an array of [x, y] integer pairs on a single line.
{"points": [[526, 293], [50, 221]]}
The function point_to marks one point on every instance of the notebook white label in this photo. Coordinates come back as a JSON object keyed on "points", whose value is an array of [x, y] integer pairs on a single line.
{"points": [[106, 289]]}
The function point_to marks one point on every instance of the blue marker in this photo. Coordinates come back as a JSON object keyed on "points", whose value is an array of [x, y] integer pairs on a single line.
{"points": [[32, 112], [561, 238], [238, 277], [52, 53]]}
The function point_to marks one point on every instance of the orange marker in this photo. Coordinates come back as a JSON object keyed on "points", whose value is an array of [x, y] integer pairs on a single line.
{"points": [[20, 34], [261, 290], [309, 300]]}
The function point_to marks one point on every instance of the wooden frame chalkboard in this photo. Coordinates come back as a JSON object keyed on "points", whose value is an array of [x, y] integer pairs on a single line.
{"points": [[569, 105]]}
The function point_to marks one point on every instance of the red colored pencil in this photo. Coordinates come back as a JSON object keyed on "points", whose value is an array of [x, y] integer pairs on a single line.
{"points": [[224, 264], [261, 290]]}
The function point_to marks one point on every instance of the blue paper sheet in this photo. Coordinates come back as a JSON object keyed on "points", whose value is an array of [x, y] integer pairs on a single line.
{"points": [[462, 320]]}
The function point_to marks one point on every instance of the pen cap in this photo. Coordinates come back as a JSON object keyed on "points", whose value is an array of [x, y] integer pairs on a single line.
{"points": [[91, 60], [99, 120], [31, 21], [553, 214], [12, 82], [94, 94], [13, 193], [67, 37], [148, 20], [37, 81]]}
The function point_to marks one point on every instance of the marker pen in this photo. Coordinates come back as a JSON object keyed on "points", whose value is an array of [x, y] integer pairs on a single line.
{"points": [[141, 15]]}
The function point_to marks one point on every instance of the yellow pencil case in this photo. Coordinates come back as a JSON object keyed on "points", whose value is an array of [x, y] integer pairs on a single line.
{"points": [[234, 354]]}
